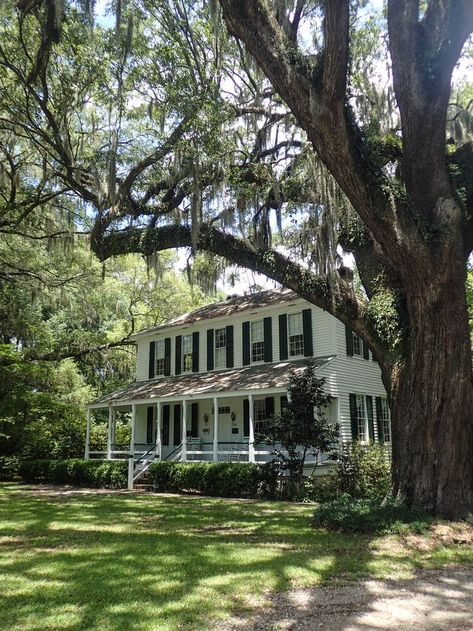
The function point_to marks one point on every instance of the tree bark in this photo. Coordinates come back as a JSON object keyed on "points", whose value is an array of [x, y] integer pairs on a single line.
{"points": [[432, 397]]}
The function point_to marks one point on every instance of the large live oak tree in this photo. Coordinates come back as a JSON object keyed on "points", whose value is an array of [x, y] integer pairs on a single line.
{"points": [[420, 231], [413, 201]]}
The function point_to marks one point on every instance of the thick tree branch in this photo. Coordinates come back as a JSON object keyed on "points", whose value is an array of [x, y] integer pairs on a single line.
{"points": [[329, 293], [423, 55], [315, 93]]}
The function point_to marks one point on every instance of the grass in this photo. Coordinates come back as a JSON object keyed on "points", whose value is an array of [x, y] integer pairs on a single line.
{"points": [[141, 562]]}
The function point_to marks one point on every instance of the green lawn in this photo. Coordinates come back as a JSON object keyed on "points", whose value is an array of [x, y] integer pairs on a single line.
{"points": [[118, 561]]}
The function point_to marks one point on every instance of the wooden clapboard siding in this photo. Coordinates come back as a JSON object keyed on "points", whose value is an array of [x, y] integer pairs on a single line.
{"points": [[344, 374]]}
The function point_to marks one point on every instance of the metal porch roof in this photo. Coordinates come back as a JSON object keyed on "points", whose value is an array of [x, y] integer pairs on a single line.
{"points": [[265, 376]]}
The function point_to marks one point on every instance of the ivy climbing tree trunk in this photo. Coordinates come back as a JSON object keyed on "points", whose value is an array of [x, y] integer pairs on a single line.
{"points": [[431, 391]]}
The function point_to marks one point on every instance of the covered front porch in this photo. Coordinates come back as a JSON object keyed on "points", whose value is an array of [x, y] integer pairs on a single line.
{"points": [[209, 417]]}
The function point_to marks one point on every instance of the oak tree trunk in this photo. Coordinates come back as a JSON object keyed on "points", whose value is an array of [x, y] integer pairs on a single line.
{"points": [[432, 396]]}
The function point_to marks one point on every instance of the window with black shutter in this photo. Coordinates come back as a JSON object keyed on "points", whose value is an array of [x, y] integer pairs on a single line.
{"points": [[210, 349], [230, 346], [150, 425], [178, 356], [220, 353], [166, 415], [160, 358], [177, 425], [195, 420], [151, 360]]}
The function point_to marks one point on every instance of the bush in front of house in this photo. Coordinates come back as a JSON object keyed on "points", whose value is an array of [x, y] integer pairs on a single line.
{"points": [[362, 471], [220, 479], [111, 474], [369, 516]]}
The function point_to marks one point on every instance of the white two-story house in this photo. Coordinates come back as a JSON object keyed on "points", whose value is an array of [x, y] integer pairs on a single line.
{"points": [[207, 379]]}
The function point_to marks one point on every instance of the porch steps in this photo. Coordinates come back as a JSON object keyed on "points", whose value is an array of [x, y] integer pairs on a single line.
{"points": [[143, 484]]}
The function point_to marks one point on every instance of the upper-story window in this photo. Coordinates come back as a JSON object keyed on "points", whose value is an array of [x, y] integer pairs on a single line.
{"points": [[187, 353], [295, 334], [221, 348], [257, 341], [160, 358], [357, 345]]}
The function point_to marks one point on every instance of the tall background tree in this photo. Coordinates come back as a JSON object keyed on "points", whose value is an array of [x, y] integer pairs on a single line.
{"points": [[321, 128]]}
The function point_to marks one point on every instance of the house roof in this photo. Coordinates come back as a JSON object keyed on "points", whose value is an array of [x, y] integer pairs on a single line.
{"points": [[275, 375], [233, 304]]}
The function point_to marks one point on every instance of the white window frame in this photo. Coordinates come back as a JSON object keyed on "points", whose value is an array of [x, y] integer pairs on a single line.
{"points": [[186, 357], [385, 420], [362, 419], [259, 413], [299, 334], [160, 359], [220, 349], [256, 341], [357, 345]]}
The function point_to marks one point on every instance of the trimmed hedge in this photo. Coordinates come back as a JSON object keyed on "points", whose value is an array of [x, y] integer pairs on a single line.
{"points": [[110, 474], [220, 479]]}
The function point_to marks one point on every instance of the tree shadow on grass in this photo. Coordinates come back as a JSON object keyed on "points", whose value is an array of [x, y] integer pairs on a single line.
{"points": [[149, 562]]}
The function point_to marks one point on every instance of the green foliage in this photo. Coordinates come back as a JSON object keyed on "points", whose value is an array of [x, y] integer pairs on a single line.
{"points": [[222, 479], [90, 473], [9, 466], [361, 472], [469, 299], [368, 516], [382, 314], [297, 429]]}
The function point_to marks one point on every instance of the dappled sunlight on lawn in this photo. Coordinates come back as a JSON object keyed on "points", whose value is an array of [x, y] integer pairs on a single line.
{"points": [[111, 561]]}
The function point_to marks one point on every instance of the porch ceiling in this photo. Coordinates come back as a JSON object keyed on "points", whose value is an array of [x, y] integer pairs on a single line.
{"points": [[260, 377]]}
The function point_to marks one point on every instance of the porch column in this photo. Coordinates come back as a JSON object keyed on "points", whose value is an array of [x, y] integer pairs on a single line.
{"points": [[111, 415], [251, 438], [159, 408], [215, 453], [87, 434], [131, 455], [184, 431]]}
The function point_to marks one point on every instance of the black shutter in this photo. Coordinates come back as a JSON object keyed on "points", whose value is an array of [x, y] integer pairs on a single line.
{"points": [[177, 424], [195, 352], [178, 358], [167, 357], [246, 417], [195, 420], [366, 350], [166, 415], [353, 417], [369, 408], [152, 353], [349, 340], [268, 339], [229, 341], [307, 328], [283, 354], [210, 349], [269, 406], [284, 402], [149, 424], [379, 420], [246, 343]]}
